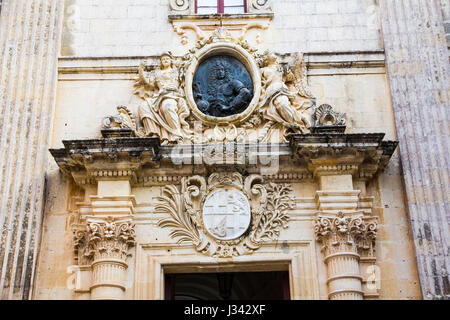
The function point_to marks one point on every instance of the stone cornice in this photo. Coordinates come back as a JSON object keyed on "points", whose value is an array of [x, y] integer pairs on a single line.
{"points": [[91, 160], [135, 159], [360, 154]]}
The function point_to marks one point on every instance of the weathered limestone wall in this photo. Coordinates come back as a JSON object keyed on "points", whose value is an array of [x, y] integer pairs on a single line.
{"points": [[362, 93], [141, 28], [30, 35], [90, 89], [418, 70], [445, 7]]}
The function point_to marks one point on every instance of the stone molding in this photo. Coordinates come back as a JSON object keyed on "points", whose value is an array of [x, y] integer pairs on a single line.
{"points": [[126, 68], [137, 159], [362, 155]]}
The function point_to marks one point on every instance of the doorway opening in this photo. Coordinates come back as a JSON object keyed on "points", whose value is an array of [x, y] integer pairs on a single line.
{"points": [[272, 285]]}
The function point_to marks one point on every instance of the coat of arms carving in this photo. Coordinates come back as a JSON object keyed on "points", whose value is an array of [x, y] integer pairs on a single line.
{"points": [[225, 215]]}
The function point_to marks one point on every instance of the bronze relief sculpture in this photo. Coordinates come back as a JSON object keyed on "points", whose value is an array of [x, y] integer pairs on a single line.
{"points": [[222, 86], [231, 90]]}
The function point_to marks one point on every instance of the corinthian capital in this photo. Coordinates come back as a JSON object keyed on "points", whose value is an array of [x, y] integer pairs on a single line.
{"points": [[351, 233], [103, 238]]}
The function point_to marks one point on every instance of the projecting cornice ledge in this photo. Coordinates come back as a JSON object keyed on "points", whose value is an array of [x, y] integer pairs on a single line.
{"points": [[360, 154], [91, 160], [140, 159]]}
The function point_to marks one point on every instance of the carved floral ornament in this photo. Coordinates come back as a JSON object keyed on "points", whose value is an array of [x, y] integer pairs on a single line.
{"points": [[103, 239], [278, 103], [250, 214], [354, 233]]}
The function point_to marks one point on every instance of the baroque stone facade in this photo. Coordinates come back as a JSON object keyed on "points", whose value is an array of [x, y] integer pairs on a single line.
{"points": [[248, 142]]}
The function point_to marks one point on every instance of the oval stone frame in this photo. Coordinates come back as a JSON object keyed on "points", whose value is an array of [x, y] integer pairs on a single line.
{"points": [[249, 63]]}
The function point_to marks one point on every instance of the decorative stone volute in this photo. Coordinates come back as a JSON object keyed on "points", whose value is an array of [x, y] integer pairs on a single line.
{"points": [[325, 119]]}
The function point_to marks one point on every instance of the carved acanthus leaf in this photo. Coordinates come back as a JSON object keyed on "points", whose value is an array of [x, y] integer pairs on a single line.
{"points": [[269, 221], [352, 233], [182, 224], [103, 238]]}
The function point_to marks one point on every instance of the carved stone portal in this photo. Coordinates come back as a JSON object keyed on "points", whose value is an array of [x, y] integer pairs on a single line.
{"points": [[230, 231]]}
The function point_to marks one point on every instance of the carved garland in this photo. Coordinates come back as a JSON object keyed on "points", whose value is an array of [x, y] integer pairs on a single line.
{"points": [[269, 205]]}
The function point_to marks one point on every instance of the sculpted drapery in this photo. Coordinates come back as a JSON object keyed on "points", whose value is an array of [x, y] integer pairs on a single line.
{"points": [[266, 103], [164, 113], [279, 104]]}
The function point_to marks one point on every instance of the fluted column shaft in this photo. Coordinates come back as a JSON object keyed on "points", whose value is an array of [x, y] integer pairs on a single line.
{"points": [[30, 33], [344, 277], [418, 71]]}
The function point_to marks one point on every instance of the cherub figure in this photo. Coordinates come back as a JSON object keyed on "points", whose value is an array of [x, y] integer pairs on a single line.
{"points": [[164, 113], [284, 106]]}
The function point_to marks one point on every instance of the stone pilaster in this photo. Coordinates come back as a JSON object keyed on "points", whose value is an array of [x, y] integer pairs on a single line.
{"points": [[103, 244], [103, 237], [30, 33], [336, 227], [342, 236], [418, 70]]}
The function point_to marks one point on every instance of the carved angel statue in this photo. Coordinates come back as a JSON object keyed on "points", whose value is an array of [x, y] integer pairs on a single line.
{"points": [[284, 98], [164, 113]]}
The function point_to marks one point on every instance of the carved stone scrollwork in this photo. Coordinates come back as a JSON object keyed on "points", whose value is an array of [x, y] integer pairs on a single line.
{"points": [[327, 120], [189, 220], [285, 97], [120, 124], [261, 6], [179, 5]]}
